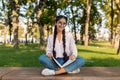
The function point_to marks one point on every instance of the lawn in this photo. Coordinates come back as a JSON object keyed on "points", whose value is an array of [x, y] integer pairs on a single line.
{"points": [[99, 54], [96, 54], [25, 56]]}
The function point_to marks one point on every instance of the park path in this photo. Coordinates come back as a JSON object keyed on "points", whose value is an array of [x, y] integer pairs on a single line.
{"points": [[86, 73]]}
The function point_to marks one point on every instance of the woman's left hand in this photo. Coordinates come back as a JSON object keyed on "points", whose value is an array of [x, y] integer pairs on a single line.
{"points": [[72, 57]]}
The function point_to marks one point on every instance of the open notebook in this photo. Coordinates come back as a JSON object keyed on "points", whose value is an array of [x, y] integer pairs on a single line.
{"points": [[65, 64]]}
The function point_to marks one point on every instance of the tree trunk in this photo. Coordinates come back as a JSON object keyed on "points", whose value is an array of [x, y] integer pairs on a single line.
{"points": [[83, 27], [26, 32], [15, 33], [10, 25], [118, 25], [5, 33], [41, 28], [32, 37], [112, 17], [15, 22], [32, 34], [26, 42], [48, 30], [10, 32], [118, 50], [88, 7], [74, 27]]}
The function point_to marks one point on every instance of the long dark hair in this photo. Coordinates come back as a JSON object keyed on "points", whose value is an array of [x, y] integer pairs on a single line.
{"points": [[63, 38]]}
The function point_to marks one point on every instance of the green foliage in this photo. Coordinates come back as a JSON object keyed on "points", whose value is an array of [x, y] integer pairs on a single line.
{"points": [[95, 16], [45, 17], [30, 11], [107, 10], [51, 7]]}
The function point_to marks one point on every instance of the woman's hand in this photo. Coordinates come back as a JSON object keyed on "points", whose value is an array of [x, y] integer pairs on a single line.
{"points": [[72, 57], [50, 55]]}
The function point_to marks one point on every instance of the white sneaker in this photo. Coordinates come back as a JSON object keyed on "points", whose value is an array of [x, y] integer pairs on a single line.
{"points": [[74, 71], [47, 72]]}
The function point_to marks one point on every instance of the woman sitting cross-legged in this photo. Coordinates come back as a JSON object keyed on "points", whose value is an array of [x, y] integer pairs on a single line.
{"points": [[61, 46]]}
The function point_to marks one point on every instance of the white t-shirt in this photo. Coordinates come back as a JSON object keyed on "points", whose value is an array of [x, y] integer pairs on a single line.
{"points": [[70, 45]]}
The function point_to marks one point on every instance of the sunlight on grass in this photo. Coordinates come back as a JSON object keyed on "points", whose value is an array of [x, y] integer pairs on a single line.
{"points": [[25, 56], [96, 54], [99, 54]]}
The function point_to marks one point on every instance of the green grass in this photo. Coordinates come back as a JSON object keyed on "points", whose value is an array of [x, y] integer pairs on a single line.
{"points": [[97, 54], [25, 56]]}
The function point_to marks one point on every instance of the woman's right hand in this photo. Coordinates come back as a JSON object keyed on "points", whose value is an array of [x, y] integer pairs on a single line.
{"points": [[50, 55]]}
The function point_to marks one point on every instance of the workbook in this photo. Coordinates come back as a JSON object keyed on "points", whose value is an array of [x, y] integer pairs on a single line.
{"points": [[65, 64]]}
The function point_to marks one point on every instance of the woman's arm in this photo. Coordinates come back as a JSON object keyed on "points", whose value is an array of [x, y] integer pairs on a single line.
{"points": [[73, 48], [49, 47]]}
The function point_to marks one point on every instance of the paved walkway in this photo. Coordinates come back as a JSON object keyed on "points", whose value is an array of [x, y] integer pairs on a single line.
{"points": [[87, 73]]}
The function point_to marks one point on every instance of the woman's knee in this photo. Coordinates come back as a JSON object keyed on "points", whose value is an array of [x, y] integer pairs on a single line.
{"points": [[42, 58], [81, 61]]}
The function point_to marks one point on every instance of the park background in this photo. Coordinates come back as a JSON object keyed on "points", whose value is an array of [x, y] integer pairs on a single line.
{"points": [[26, 24]]}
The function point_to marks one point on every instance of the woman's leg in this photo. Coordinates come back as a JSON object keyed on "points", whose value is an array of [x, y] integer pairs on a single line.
{"points": [[47, 62], [79, 62], [60, 71], [73, 66], [53, 68]]}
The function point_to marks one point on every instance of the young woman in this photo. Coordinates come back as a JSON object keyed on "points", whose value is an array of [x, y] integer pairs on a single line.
{"points": [[61, 46]]}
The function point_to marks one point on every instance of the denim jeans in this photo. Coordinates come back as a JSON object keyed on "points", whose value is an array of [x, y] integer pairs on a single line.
{"points": [[49, 63]]}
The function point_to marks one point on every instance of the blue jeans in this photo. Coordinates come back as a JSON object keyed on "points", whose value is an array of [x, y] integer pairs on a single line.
{"points": [[49, 63]]}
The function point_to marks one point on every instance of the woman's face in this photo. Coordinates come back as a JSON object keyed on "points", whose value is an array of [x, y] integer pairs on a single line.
{"points": [[60, 24]]}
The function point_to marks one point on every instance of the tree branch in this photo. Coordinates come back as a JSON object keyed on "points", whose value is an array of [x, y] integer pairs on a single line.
{"points": [[117, 4]]}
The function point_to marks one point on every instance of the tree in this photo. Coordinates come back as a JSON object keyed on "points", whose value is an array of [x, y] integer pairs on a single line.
{"points": [[15, 21], [112, 17], [5, 22], [7, 9], [88, 7], [30, 14], [117, 2], [40, 5]]}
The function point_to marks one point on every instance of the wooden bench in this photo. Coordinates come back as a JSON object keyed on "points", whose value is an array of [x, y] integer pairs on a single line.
{"points": [[86, 73]]}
